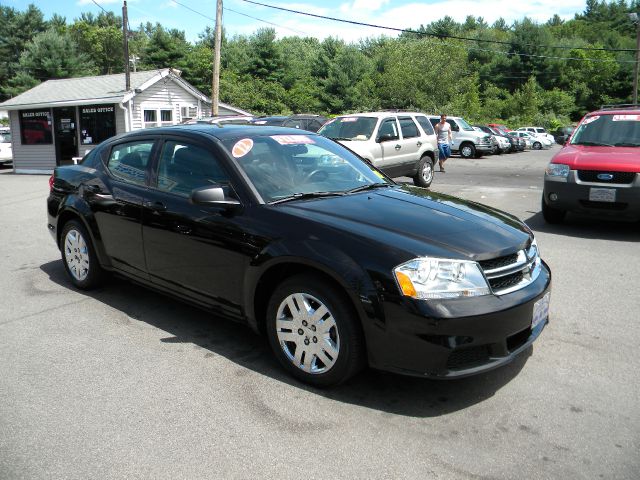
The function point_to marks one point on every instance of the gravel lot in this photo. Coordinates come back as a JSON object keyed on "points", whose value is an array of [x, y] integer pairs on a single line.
{"points": [[125, 383]]}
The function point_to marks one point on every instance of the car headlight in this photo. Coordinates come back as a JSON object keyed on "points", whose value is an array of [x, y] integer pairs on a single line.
{"points": [[557, 170], [432, 278]]}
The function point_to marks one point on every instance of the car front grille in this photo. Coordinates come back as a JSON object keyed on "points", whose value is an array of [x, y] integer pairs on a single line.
{"points": [[604, 205], [616, 177], [512, 272], [468, 357]]}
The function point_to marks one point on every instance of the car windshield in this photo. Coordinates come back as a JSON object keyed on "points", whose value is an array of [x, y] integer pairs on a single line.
{"points": [[464, 125], [609, 130], [5, 138], [283, 167], [349, 128]]}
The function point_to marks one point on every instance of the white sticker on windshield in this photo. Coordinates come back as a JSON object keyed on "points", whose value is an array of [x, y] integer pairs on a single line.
{"points": [[242, 147], [349, 119], [292, 139], [626, 118], [588, 120]]}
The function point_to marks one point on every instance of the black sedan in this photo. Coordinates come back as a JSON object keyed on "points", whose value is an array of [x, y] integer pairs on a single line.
{"points": [[299, 238]]}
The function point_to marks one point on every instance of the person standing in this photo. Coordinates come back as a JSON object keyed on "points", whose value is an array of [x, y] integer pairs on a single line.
{"points": [[443, 133]]}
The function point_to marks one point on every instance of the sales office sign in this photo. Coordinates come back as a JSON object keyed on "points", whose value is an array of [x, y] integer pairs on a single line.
{"points": [[97, 109]]}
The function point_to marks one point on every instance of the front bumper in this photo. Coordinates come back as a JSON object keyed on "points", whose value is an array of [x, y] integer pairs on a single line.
{"points": [[457, 338], [572, 194]]}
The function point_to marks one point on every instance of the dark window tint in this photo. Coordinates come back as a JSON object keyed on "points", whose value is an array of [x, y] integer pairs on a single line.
{"points": [[295, 124], [184, 167], [35, 127], [97, 123], [433, 121], [128, 161], [425, 124], [408, 127]]}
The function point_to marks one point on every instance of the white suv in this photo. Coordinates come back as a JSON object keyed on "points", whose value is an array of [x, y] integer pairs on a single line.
{"points": [[538, 132], [401, 144]]}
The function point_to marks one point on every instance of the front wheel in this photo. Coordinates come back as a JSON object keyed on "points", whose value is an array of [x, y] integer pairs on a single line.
{"points": [[314, 332], [467, 150], [79, 257], [537, 145], [552, 215], [424, 175]]}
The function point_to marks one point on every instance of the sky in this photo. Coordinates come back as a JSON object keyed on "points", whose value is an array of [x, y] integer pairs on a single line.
{"points": [[390, 13]]}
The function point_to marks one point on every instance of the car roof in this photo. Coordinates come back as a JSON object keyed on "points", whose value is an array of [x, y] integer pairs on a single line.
{"points": [[621, 111], [380, 114], [220, 132]]}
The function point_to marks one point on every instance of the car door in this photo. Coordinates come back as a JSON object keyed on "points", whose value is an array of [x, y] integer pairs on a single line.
{"points": [[388, 138], [455, 134], [194, 250], [410, 142], [116, 203]]}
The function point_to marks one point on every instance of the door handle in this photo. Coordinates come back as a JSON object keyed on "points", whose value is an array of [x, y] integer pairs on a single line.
{"points": [[155, 206], [397, 147]]}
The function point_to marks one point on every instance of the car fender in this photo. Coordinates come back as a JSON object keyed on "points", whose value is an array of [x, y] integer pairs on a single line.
{"points": [[315, 255], [80, 209]]}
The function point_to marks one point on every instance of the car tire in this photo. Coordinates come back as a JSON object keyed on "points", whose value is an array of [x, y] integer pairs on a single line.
{"points": [[302, 309], [552, 215], [424, 175], [537, 146], [467, 150], [79, 257]]}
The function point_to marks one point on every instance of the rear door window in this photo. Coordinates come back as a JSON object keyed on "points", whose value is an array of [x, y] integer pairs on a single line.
{"points": [[128, 161], [408, 127]]}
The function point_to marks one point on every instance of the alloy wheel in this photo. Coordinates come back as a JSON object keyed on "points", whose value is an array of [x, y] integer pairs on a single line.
{"points": [[307, 333], [76, 254]]}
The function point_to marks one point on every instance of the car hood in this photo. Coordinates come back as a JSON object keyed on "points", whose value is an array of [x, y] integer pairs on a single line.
{"points": [[613, 159], [418, 221]]}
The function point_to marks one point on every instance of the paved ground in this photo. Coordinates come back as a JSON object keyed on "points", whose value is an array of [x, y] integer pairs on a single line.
{"points": [[124, 382]]}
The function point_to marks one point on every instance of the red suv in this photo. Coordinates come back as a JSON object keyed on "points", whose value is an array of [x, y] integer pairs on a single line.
{"points": [[597, 170]]}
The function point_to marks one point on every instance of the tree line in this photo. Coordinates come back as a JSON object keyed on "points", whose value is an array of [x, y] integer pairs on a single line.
{"points": [[522, 79]]}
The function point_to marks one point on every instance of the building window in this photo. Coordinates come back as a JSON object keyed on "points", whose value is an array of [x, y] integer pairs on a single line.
{"points": [[97, 123], [188, 112], [150, 118], [166, 118], [35, 127]]}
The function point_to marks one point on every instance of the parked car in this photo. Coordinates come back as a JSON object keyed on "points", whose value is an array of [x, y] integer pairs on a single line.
{"points": [[505, 142], [398, 143], [562, 134], [538, 132], [6, 152], [466, 141], [221, 120], [533, 142], [500, 126], [598, 170], [303, 121], [301, 239]]}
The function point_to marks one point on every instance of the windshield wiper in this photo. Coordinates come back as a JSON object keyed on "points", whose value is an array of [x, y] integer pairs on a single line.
{"points": [[340, 138], [593, 144], [627, 144], [304, 196], [369, 186]]}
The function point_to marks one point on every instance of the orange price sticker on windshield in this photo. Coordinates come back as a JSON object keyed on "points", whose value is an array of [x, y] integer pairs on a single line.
{"points": [[242, 147], [292, 139]]}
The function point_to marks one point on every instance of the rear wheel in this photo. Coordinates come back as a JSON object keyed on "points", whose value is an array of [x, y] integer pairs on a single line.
{"points": [[467, 150], [79, 257], [424, 175], [552, 215], [314, 332], [537, 145]]}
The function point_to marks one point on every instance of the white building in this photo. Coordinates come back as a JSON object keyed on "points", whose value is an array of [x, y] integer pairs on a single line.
{"points": [[60, 120]]}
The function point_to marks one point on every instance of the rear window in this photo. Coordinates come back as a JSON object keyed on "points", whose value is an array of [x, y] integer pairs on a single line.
{"points": [[622, 130]]}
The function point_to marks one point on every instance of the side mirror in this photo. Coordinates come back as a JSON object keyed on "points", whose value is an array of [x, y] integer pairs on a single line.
{"points": [[212, 195], [386, 137]]}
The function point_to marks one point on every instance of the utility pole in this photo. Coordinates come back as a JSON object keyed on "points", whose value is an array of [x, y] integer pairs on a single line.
{"points": [[125, 32], [635, 70], [215, 84]]}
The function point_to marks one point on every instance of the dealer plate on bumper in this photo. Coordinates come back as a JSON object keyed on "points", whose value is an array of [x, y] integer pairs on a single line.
{"points": [[540, 310], [602, 194]]}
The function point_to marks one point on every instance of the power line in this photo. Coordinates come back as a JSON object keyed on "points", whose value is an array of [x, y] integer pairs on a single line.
{"points": [[436, 35], [238, 13], [101, 7]]}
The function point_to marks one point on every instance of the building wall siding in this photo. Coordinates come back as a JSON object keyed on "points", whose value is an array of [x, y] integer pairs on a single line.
{"points": [[41, 158], [161, 96]]}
